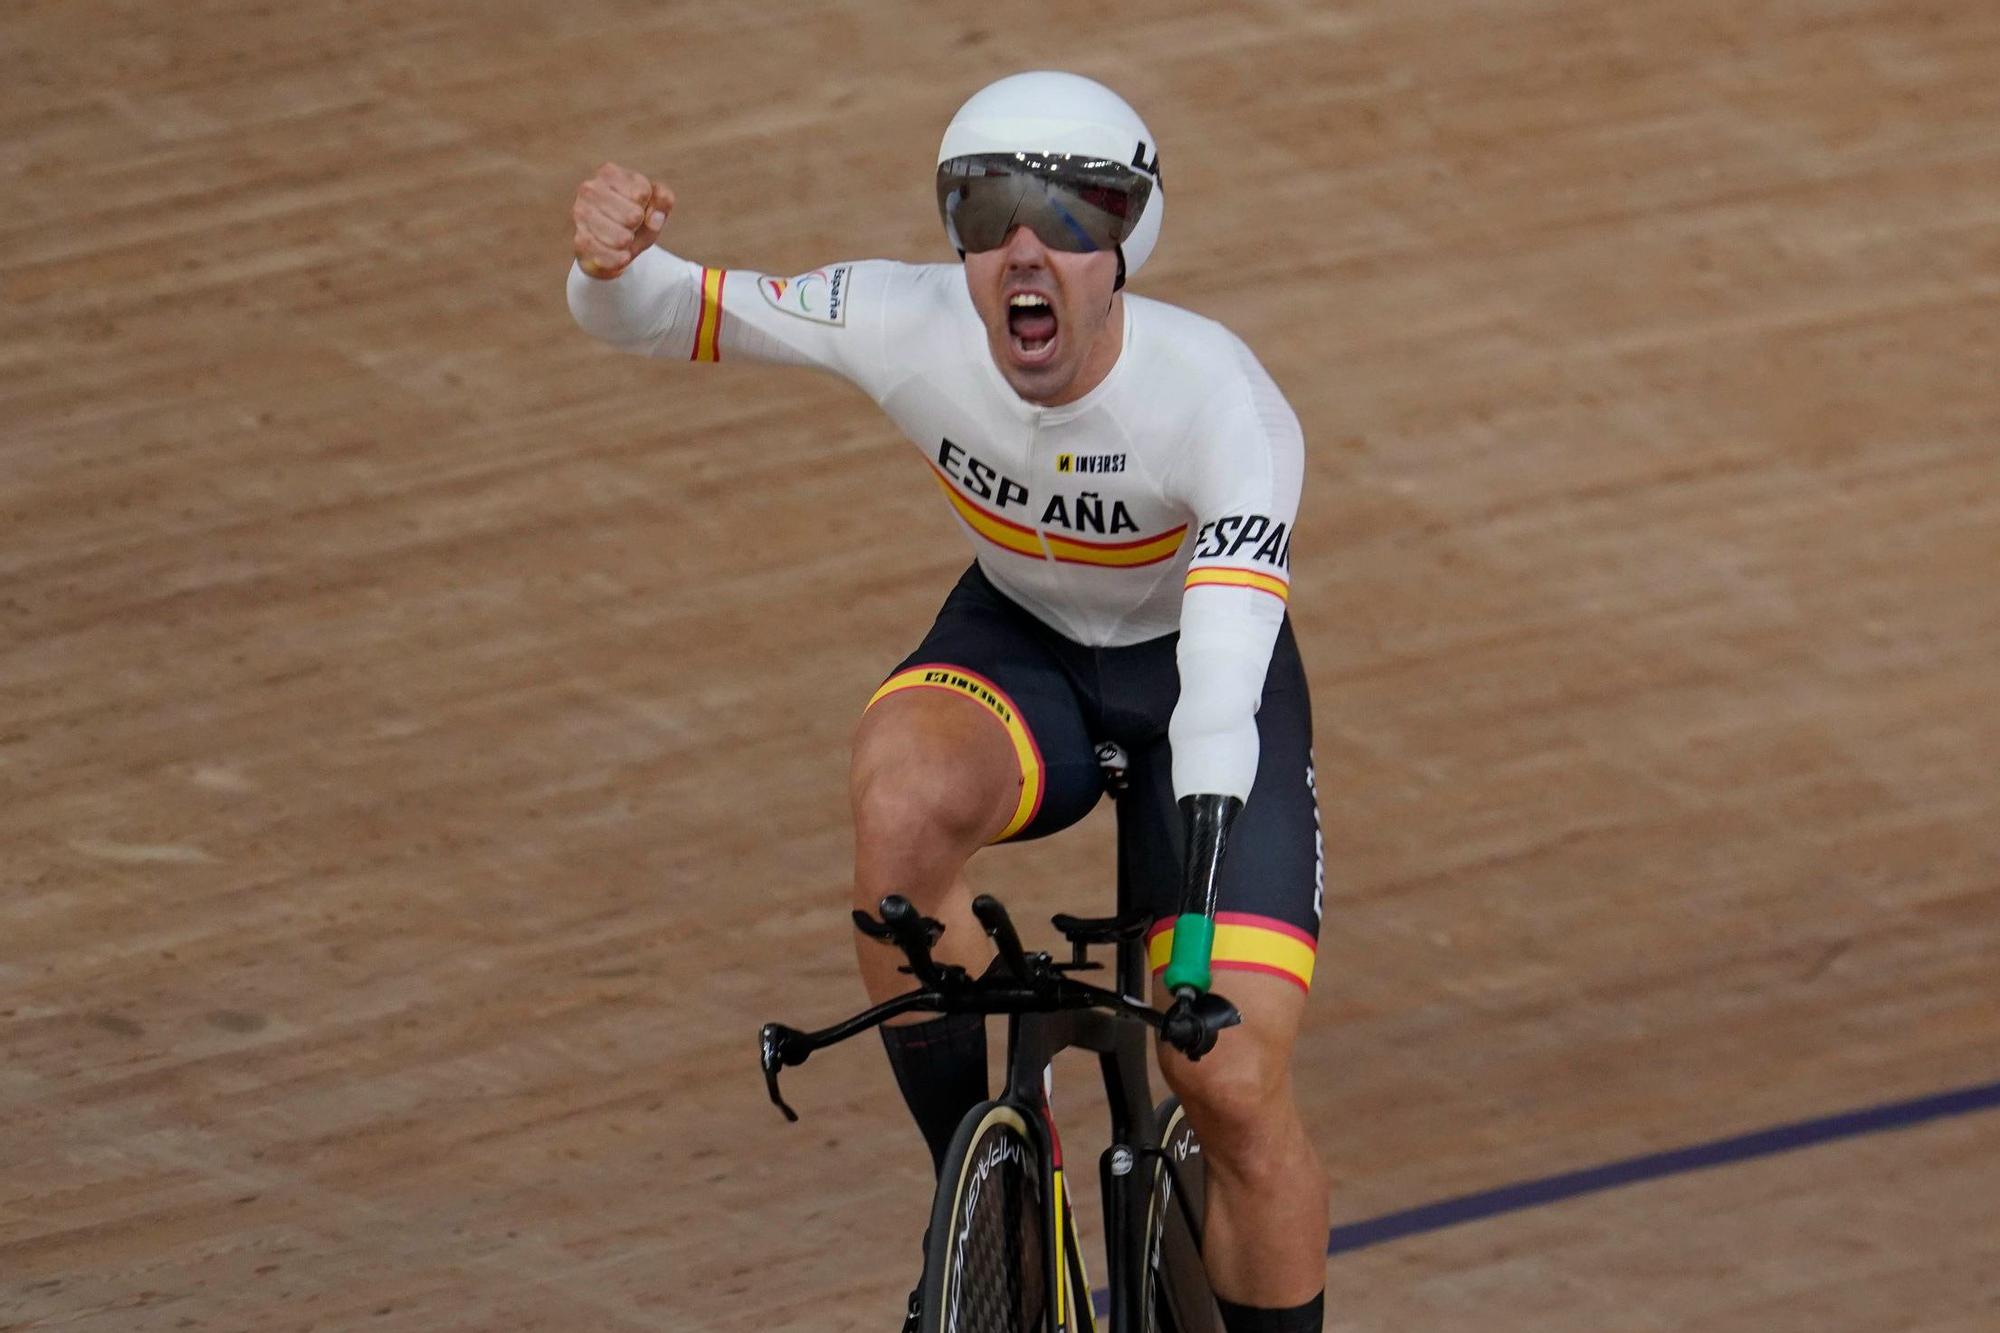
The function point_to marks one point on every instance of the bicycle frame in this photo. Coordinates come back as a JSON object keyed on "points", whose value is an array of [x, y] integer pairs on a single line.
{"points": [[1049, 1012], [1033, 1042]]}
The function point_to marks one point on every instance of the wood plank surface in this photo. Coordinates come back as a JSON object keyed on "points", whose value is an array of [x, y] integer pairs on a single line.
{"points": [[422, 730]]}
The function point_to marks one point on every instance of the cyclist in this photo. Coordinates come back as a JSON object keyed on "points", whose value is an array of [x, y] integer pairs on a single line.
{"points": [[1128, 476]]}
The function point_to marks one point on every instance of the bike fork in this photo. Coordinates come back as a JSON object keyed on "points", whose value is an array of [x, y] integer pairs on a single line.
{"points": [[1125, 1253]]}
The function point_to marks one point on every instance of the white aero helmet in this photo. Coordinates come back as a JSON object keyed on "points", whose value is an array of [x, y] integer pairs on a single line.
{"points": [[1098, 162]]}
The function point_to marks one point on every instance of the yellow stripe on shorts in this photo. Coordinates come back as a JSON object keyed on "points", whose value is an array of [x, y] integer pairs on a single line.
{"points": [[1246, 943], [973, 686]]}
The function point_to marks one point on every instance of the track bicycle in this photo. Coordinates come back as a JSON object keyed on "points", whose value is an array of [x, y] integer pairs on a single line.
{"points": [[1002, 1254]]}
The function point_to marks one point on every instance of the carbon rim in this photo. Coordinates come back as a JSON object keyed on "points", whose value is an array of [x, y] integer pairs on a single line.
{"points": [[1177, 1298], [987, 1267]]}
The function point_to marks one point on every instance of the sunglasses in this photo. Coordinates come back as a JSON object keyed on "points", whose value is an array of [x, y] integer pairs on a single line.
{"points": [[1072, 202]]}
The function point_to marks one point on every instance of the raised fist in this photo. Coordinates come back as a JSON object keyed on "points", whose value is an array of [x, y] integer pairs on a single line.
{"points": [[618, 216]]}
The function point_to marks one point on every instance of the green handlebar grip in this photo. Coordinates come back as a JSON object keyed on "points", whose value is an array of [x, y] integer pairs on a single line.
{"points": [[1194, 939]]}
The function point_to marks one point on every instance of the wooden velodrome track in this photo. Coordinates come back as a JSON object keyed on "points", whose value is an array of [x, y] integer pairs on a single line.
{"points": [[422, 730]]}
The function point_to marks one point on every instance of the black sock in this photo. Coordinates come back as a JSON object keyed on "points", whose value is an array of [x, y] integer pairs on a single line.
{"points": [[1307, 1318], [941, 1067]]}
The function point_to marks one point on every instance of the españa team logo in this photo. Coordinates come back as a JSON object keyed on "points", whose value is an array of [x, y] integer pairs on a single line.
{"points": [[820, 296]]}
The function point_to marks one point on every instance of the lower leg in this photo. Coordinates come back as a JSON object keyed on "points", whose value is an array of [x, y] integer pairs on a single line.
{"points": [[939, 1062], [1264, 1227], [1264, 1241]]}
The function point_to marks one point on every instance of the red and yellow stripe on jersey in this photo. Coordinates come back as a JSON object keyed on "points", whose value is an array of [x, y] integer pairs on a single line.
{"points": [[1024, 540], [1225, 576], [1122, 555], [708, 327], [973, 686], [1245, 943], [1005, 533]]}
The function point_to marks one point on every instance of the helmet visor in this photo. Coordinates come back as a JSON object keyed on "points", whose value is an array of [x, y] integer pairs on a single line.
{"points": [[1070, 201]]}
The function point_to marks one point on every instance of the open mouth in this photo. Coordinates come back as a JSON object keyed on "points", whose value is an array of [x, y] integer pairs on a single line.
{"points": [[1031, 326]]}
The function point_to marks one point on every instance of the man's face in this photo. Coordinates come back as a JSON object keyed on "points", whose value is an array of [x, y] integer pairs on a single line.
{"points": [[1053, 322]]}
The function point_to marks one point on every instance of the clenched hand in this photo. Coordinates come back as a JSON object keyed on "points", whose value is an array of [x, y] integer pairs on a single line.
{"points": [[618, 215]]}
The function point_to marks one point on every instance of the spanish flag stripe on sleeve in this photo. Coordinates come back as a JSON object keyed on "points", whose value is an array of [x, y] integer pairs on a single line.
{"points": [[701, 319], [1226, 577], [971, 685], [708, 328]]}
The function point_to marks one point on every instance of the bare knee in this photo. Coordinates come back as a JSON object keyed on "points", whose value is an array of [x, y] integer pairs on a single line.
{"points": [[1234, 1093], [931, 782], [1239, 1096], [917, 792]]}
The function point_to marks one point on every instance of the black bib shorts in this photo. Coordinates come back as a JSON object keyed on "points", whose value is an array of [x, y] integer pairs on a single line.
{"points": [[1059, 701]]}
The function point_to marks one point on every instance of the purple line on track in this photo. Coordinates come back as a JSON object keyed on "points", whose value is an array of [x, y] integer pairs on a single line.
{"points": [[1654, 1166], [1352, 1236]]}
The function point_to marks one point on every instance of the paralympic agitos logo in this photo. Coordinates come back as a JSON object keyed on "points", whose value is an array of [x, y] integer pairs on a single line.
{"points": [[820, 296]]}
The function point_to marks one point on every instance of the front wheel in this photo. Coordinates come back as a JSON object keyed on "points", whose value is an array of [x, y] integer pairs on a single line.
{"points": [[986, 1267], [1177, 1296]]}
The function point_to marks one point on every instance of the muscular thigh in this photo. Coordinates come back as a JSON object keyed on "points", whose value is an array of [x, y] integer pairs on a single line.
{"points": [[934, 758], [986, 684]]}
